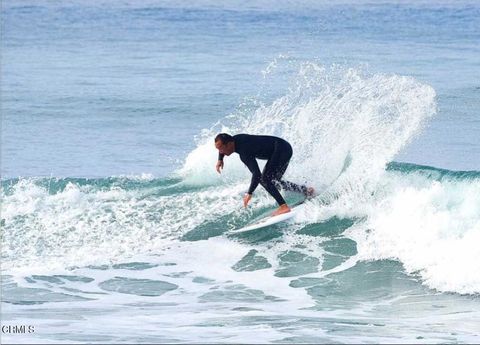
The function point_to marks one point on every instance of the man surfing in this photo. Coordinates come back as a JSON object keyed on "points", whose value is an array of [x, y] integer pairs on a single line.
{"points": [[275, 150]]}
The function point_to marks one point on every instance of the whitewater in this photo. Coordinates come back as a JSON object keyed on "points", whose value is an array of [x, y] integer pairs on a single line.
{"points": [[115, 226]]}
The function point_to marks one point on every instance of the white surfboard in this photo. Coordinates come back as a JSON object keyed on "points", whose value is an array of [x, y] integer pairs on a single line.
{"points": [[270, 220]]}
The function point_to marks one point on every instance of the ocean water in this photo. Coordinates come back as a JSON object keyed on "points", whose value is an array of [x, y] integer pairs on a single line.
{"points": [[115, 225]]}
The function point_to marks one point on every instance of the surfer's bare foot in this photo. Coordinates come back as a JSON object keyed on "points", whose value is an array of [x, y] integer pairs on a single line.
{"points": [[310, 193], [281, 210]]}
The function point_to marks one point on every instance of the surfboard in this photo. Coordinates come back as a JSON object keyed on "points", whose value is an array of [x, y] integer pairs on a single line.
{"points": [[270, 220]]}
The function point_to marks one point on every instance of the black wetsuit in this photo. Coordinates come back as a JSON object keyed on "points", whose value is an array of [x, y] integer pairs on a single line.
{"points": [[278, 153]]}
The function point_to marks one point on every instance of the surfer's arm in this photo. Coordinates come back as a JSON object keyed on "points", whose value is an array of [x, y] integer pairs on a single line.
{"points": [[219, 165], [252, 165]]}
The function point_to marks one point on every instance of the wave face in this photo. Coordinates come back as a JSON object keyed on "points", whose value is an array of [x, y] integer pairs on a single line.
{"points": [[345, 127]]}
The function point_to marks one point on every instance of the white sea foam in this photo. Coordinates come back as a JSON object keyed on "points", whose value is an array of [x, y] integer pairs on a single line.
{"points": [[432, 227], [82, 225]]}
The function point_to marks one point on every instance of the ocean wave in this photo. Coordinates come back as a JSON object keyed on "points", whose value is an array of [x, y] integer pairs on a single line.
{"points": [[429, 220], [424, 217], [345, 126]]}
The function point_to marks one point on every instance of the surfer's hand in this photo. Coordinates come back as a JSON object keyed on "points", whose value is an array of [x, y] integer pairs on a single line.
{"points": [[219, 166], [246, 199]]}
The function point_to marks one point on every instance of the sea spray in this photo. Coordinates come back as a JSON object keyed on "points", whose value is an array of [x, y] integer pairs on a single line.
{"points": [[330, 116]]}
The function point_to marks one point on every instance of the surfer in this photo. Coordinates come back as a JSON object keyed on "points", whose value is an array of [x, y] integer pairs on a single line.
{"points": [[275, 150]]}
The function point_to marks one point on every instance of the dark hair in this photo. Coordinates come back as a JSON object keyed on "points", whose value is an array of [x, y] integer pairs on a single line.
{"points": [[224, 138]]}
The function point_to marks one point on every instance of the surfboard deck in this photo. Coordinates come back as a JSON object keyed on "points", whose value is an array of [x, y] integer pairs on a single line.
{"points": [[269, 220]]}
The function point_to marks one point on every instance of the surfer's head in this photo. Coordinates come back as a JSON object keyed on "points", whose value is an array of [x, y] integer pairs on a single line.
{"points": [[225, 144]]}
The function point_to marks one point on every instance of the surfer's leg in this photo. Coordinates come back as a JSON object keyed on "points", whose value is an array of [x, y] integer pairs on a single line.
{"points": [[267, 182], [278, 165], [274, 170], [293, 187]]}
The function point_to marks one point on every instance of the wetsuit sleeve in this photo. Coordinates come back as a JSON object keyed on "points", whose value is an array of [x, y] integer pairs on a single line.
{"points": [[252, 165], [220, 156]]}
